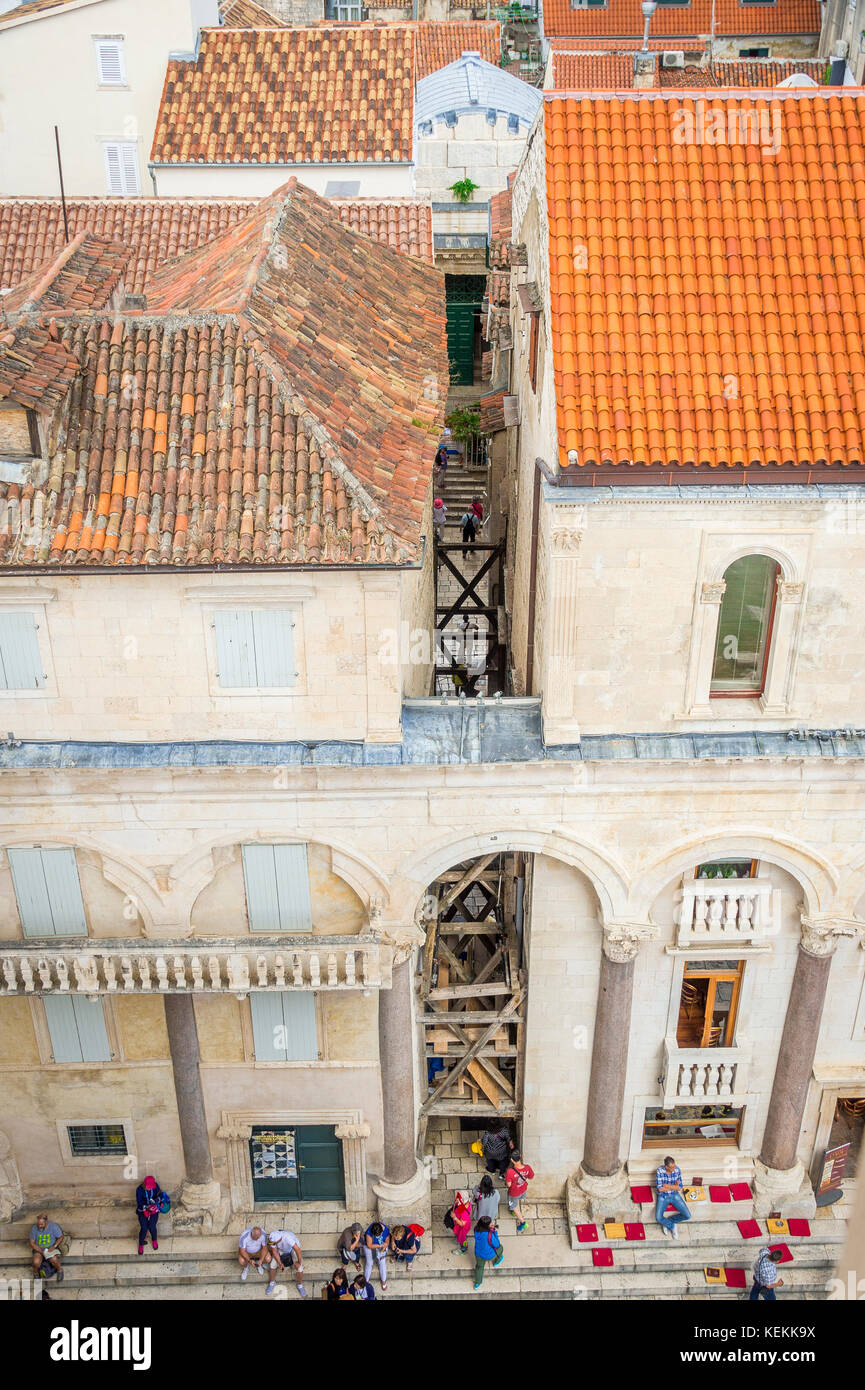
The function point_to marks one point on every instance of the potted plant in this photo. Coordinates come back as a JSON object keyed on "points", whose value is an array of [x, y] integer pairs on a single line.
{"points": [[464, 424]]}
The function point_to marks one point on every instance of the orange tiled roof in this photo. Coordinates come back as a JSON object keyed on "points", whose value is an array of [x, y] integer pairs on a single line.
{"points": [[321, 94], [582, 44], [84, 275], [753, 72], [33, 7], [721, 315], [157, 229], [275, 402], [624, 17], [36, 370], [246, 14], [583, 72], [500, 229], [438, 43]]}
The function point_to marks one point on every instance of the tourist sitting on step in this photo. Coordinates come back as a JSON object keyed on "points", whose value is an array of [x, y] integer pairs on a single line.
{"points": [[150, 1202], [377, 1241], [668, 1180], [361, 1288], [351, 1244], [45, 1238], [252, 1249], [285, 1252], [406, 1243], [337, 1289]]}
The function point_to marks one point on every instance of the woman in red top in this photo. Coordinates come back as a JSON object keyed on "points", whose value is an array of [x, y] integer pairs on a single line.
{"points": [[516, 1181]]}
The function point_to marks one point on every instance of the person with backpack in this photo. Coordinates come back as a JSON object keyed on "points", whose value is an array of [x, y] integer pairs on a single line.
{"points": [[406, 1243], [459, 1220], [377, 1241], [338, 1288], [517, 1178], [150, 1203], [487, 1247], [467, 521], [486, 1199], [496, 1144]]}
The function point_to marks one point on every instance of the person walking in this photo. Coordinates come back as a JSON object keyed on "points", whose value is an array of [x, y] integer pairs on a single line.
{"points": [[285, 1252], [350, 1244], [766, 1279], [377, 1242], [459, 1220], [45, 1238], [467, 522], [147, 1206], [517, 1179], [497, 1145], [487, 1247], [668, 1180], [486, 1199], [361, 1288], [338, 1288], [440, 516], [405, 1243], [252, 1249], [478, 512]]}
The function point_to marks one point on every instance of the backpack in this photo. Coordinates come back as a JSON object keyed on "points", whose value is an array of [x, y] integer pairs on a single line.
{"points": [[163, 1202], [466, 518], [449, 1219]]}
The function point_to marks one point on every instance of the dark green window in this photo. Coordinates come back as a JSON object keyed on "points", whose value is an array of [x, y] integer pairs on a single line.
{"points": [[744, 627]]}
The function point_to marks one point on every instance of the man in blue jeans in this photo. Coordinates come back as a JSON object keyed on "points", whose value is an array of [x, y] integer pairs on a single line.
{"points": [[668, 1180], [766, 1279]]}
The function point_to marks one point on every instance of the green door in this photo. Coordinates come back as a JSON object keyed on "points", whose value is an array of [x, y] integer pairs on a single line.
{"points": [[464, 296], [297, 1163]]}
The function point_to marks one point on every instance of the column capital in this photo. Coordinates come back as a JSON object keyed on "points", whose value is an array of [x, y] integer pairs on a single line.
{"points": [[822, 932], [622, 940], [712, 591], [361, 1131]]}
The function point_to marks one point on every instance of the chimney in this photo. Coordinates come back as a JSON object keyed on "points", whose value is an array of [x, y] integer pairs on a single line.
{"points": [[644, 72], [837, 72]]}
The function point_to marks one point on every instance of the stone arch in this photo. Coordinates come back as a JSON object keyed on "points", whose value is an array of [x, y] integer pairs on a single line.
{"points": [[606, 874], [851, 889], [790, 571], [197, 869], [817, 878], [132, 879]]}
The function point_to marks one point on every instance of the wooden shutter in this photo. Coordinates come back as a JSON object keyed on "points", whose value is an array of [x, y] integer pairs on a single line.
{"points": [[235, 647], [48, 892], [121, 167], [129, 165], [109, 63], [113, 173], [276, 878], [20, 662], [273, 633], [268, 1027], [77, 1028], [301, 1038]]}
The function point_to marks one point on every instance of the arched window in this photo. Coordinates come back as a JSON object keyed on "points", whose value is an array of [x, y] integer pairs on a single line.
{"points": [[745, 627]]}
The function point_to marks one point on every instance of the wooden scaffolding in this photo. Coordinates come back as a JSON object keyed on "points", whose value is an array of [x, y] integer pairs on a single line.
{"points": [[473, 991]]}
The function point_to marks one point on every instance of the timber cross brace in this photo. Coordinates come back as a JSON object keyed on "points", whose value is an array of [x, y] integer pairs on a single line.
{"points": [[469, 604], [473, 991]]}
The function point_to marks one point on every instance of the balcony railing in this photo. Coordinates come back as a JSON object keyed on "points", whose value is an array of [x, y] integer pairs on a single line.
{"points": [[715, 911], [179, 967], [703, 1073]]}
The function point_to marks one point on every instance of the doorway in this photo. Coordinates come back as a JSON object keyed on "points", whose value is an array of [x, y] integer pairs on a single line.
{"points": [[296, 1163], [463, 299]]}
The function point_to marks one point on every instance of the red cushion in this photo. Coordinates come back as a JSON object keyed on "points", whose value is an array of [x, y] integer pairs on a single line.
{"points": [[719, 1194], [587, 1233], [740, 1192], [735, 1278], [786, 1257], [604, 1258], [671, 1210], [635, 1230], [798, 1226], [641, 1195], [749, 1229]]}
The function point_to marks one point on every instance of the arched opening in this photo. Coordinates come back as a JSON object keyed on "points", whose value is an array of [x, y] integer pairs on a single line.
{"points": [[745, 627]]}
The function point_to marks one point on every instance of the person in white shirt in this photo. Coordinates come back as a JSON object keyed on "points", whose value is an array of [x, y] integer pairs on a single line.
{"points": [[253, 1250], [285, 1251]]}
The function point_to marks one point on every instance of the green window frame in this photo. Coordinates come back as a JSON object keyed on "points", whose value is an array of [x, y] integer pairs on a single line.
{"points": [[745, 627]]}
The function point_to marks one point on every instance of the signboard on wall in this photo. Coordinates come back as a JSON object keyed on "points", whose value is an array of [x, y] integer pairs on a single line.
{"points": [[832, 1172], [274, 1155]]}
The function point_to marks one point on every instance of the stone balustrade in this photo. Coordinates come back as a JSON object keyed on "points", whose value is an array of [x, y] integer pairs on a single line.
{"points": [[693, 1074], [718, 910], [176, 967]]}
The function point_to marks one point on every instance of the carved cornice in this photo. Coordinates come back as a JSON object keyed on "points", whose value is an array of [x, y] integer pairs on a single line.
{"points": [[790, 592], [622, 940], [713, 592]]}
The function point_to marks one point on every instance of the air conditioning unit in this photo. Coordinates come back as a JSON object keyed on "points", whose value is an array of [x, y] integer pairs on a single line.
{"points": [[672, 60]]}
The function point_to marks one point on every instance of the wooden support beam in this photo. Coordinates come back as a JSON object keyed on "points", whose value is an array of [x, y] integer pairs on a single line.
{"points": [[455, 964], [471, 991], [473, 1051], [472, 873], [480, 1016], [463, 1107], [484, 974]]}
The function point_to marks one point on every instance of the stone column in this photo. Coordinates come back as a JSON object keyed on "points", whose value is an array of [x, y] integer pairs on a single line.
{"points": [[353, 1139], [565, 533], [780, 1176], [602, 1180], [405, 1182], [200, 1196], [703, 647], [788, 605]]}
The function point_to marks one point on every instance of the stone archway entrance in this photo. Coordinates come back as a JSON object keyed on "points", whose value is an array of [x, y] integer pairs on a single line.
{"points": [[473, 990]]}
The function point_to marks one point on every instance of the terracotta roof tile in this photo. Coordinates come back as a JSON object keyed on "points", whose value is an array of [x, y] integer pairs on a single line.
{"points": [[744, 72], [321, 94], [157, 229], [439, 42], [33, 7], [500, 229], [583, 72], [624, 18], [719, 317], [276, 402], [246, 14], [583, 44], [83, 275]]}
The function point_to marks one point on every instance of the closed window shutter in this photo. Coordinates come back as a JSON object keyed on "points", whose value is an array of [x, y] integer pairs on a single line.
{"points": [[48, 892], [121, 168], [277, 888], [298, 1012], [129, 164], [113, 175], [274, 646], [77, 1028], [20, 662], [235, 647], [109, 63], [268, 1027]]}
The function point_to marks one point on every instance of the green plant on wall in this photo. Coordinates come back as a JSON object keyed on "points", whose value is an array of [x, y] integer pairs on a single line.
{"points": [[463, 189], [464, 423]]}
